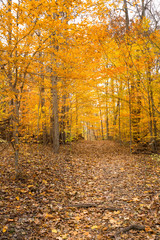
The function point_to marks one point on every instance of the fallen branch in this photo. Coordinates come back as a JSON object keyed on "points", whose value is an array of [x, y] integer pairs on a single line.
{"points": [[111, 209], [89, 205], [82, 205], [131, 227]]}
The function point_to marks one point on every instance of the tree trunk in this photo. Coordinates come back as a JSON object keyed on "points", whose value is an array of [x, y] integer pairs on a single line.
{"points": [[100, 113], [130, 117], [119, 121], [136, 110], [42, 94], [152, 122], [143, 10], [16, 133], [107, 115], [14, 102], [116, 112], [55, 116], [76, 117], [126, 14], [63, 120]]}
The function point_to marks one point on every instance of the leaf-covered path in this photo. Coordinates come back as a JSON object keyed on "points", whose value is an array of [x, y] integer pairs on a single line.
{"points": [[91, 190]]}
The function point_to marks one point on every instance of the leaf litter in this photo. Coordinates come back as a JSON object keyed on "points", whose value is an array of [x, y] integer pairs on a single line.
{"points": [[90, 190]]}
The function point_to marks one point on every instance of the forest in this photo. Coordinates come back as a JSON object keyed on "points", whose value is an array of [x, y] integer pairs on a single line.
{"points": [[72, 68], [78, 73]]}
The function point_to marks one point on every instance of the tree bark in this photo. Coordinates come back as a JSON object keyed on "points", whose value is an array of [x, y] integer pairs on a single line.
{"points": [[55, 114], [107, 115], [13, 83], [126, 14], [130, 116]]}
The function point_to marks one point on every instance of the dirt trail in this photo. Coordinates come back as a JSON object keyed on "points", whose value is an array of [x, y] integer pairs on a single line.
{"points": [[91, 190]]}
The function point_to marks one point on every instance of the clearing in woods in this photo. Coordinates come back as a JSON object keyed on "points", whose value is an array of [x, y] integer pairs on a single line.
{"points": [[90, 190]]}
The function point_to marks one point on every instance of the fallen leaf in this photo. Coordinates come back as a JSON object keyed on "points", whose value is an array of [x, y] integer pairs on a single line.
{"points": [[86, 233], [46, 215], [44, 181], [148, 229], [117, 212], [36, 221], [135, 199], [77, 218], [112, 220], [4, 229], [122, 169], [10, 220], [94, 227], [106, 216], [64, 236]]}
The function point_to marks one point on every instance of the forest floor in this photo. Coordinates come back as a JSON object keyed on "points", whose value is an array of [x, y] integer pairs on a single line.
{"points": [[90, 190]]}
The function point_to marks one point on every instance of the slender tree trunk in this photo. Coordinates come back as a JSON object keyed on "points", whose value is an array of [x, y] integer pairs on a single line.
{"points": [[107, 123], [100, 113], [87, 131], [153, 125], [126, 14], [63, 121], [55, 114], [130, 117], [116, 112], [94, 134], [71, 120], [9, 70], [44, 129], [54, 95], [107, 115], [136, 110], [76, 117], [119, 111], [113, 107], [143, 10], [14, 102], [51, 120], [16, 133], [42, 90], [154, 117], [39, 116], [119, 122], [42, 94]]}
